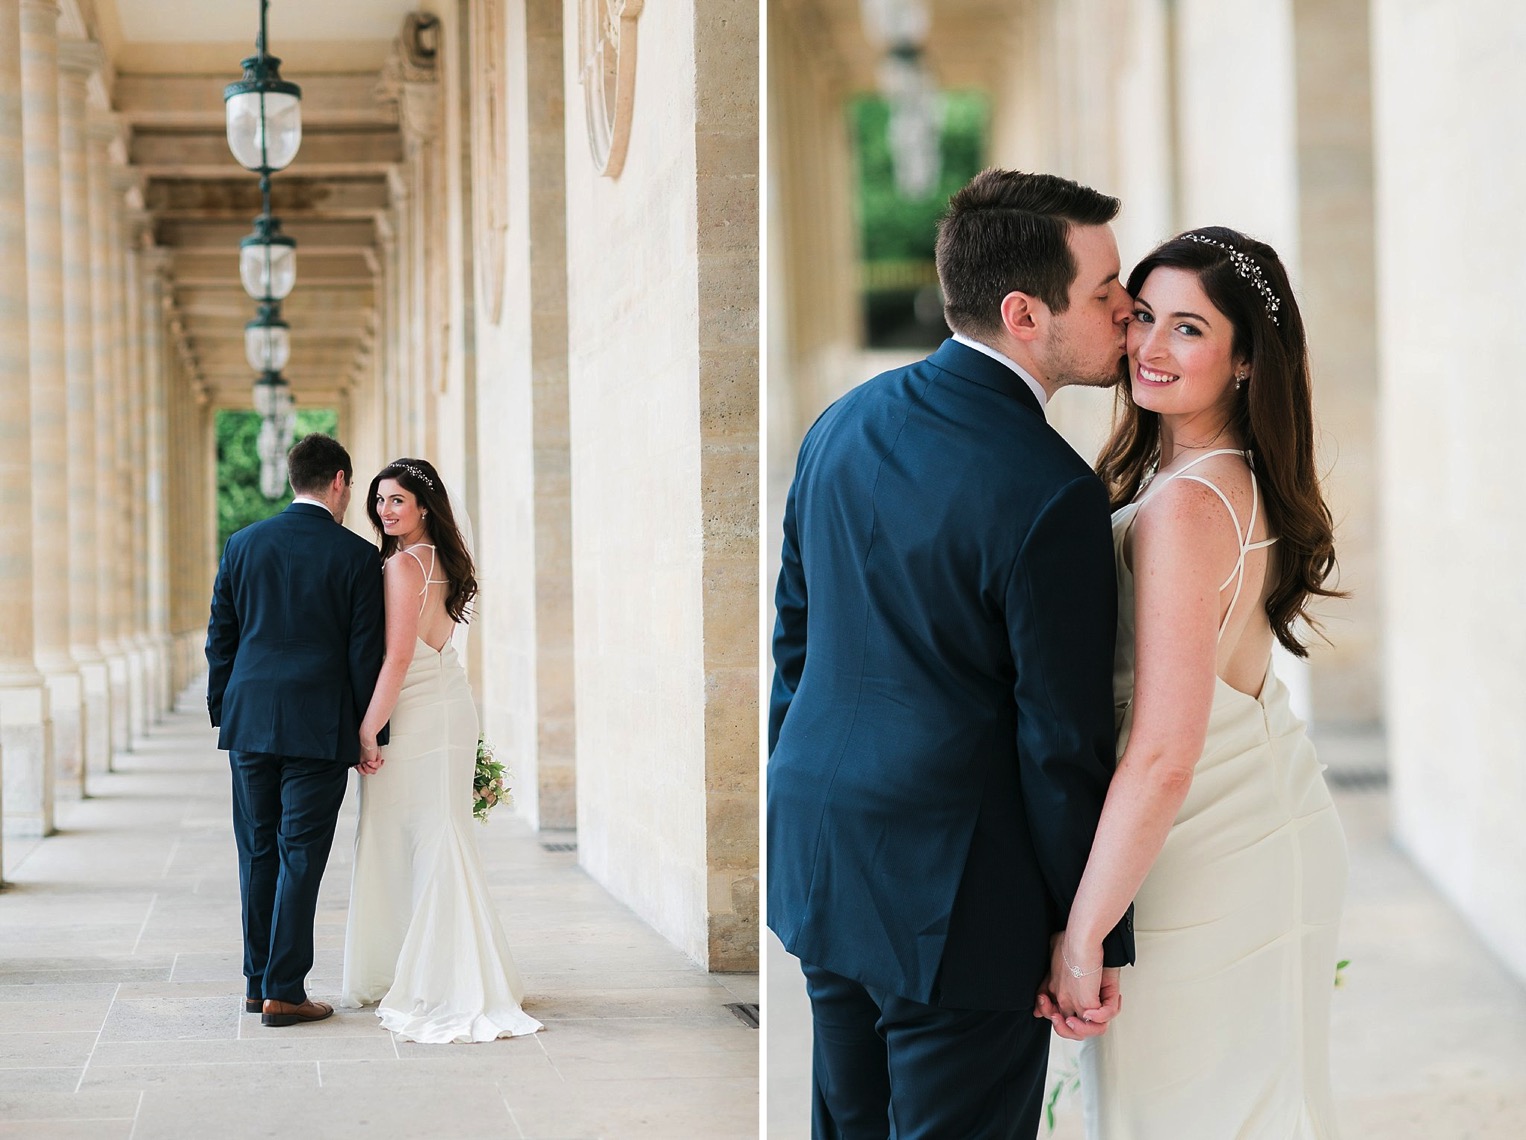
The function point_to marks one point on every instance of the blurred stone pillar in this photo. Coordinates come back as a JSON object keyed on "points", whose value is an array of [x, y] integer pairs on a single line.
{"points": [[77, 62], [130, 458], [27, 793], [726, 176], [152, 265], [109, 568], [51, 554]]}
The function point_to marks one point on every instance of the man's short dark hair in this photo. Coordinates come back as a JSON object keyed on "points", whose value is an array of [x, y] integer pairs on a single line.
{"points": [[1007, 232], [313, 462]]}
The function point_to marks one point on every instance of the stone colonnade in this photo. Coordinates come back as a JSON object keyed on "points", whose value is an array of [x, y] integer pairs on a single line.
{"points": [[103, 573]]}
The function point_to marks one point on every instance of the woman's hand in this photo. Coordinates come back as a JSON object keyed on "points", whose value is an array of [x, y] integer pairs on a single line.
{"points": [[1078, 1008], [370, 754]]}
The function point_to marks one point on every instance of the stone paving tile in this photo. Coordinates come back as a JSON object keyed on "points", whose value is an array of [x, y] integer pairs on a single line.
{"points": [[45, 1048], [278, 1047], [63, 1079], [468, 1069], [53, 1016], [121, 993], [68, 1106], [711, 1108], [97, 1129], [362, 1113], [171, 1019], [232, 1076]]}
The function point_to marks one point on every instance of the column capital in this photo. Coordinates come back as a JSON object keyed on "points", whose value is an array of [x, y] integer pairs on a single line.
{"points": [[80, 59]]}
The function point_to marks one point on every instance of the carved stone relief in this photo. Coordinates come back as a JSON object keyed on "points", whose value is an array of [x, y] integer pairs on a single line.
{"points": [[607, 72]]}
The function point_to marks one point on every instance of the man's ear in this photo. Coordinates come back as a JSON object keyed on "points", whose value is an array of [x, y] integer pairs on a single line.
{"points": [[1023, 316]]}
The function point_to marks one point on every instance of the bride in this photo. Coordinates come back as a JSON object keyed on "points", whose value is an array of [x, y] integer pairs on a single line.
{"points": [[1217, 823], [423, 938]]}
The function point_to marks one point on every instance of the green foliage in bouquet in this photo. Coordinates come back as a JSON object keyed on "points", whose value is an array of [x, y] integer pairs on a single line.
{"points": [[492, 783]]}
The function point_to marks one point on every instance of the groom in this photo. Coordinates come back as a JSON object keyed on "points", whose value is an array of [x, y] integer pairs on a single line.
{"points": [[294, 647], [941, 724]]}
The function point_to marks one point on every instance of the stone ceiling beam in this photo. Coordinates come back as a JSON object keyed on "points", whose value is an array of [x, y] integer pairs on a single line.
{"points": [[340, 236], [290, 197], [324, 154], [196, 101]]}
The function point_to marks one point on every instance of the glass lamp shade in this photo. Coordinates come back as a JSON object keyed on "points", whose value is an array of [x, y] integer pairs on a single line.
{"points": [[267, 344], [267, 443], [264, 122], [272, 396], [267, 265]]}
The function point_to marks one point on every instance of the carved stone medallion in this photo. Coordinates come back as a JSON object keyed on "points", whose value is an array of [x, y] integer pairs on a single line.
{"points": [[607, 51]]}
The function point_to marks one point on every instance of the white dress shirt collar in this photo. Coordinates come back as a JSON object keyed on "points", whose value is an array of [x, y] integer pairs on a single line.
{"points": [[310, 501], [1038, 391]]}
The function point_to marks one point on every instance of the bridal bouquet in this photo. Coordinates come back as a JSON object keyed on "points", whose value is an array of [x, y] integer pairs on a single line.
{"points": [[492, 783]]}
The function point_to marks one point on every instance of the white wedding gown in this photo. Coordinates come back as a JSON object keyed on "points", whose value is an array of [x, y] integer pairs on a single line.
{"points": [[423, 937], [1224, 1030]]}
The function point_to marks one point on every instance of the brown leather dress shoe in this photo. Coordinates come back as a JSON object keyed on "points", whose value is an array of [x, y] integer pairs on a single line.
{"points": [[286, 1013], [254, 1005]]}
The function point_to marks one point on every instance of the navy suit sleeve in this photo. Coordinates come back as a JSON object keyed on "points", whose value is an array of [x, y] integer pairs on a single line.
{"points": [[222, 637], [789, 627], [368, 633], [1062, 606]]}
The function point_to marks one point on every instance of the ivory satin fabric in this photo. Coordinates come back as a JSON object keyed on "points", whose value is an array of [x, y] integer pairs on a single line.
{"points": [[1224, 1032], [423, 937]]}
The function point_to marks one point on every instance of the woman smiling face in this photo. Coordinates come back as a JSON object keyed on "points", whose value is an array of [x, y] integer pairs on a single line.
{"points": [[398, 509], [1181, 348]]}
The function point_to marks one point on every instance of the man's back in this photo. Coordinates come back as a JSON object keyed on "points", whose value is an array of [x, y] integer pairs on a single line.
{"points": [[296, 637], [943, 707]]}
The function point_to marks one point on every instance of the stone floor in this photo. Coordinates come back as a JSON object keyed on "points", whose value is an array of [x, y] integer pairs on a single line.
{"points": [[120, 993], [1429, 1029]]}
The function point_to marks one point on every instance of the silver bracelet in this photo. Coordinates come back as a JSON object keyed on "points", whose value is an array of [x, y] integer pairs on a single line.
{"points": [[1074, 972]]}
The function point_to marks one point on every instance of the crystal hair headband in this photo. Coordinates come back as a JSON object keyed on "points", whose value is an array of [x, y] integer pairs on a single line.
{"points": [[1247, 269], [415, 472]]}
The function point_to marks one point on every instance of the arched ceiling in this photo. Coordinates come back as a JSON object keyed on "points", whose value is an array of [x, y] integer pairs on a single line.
{"points": [[169, 62]]}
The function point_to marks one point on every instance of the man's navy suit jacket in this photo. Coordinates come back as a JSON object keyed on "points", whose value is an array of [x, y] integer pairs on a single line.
{"points": [[941, 723], [295, 641]]}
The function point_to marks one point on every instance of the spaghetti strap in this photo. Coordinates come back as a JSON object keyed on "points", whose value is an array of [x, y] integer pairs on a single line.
{"points": [[429, 578], [1242, 536]]}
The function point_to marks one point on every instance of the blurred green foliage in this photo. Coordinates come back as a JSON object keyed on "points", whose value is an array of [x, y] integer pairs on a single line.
{"points": [[893, 228], [239, 501]]}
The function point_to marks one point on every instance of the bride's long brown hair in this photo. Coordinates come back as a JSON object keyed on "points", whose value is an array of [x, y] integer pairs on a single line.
{"points": [[419, 477], [1272, 413]]}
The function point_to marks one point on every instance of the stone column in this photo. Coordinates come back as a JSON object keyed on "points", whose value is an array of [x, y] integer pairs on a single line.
{"points": [[129, 457], [153, 265], [27, 794], [544, 152], [109, 558], [51, 554], [77, 61]]}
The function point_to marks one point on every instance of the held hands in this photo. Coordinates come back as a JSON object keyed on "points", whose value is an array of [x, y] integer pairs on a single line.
{"points": [[370, 755], [1078, 1008]]}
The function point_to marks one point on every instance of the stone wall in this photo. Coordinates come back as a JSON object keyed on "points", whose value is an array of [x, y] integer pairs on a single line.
{"points": [[659, 487], [1452, 265]]}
